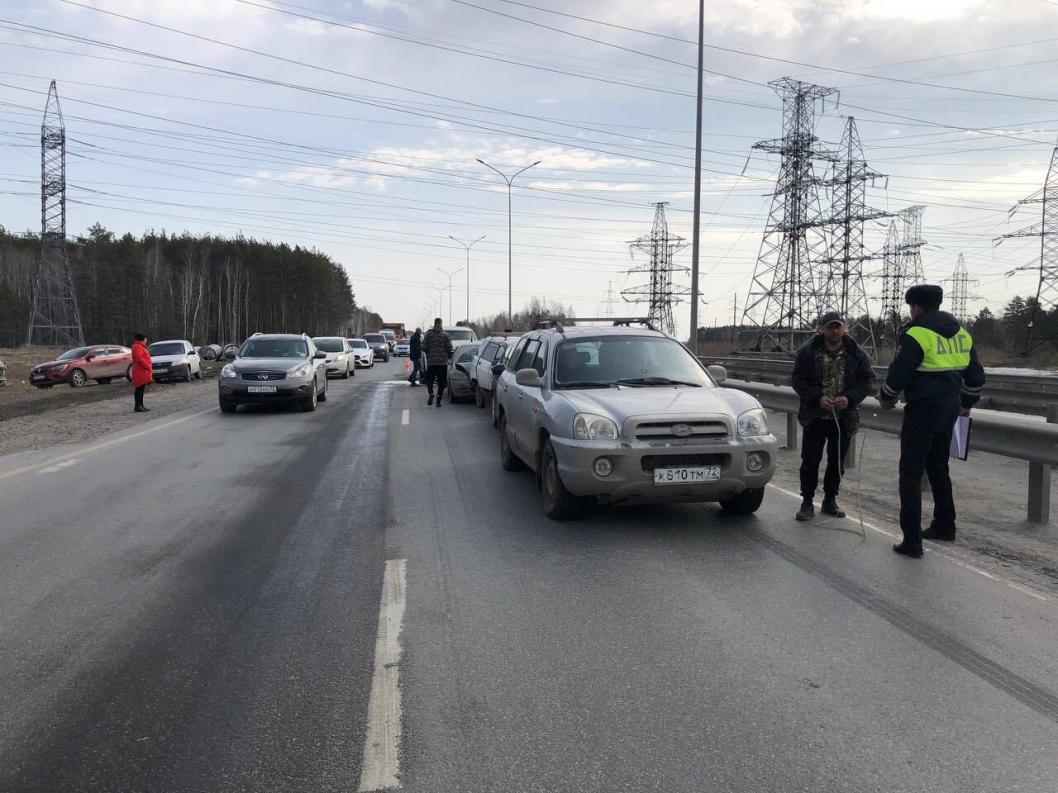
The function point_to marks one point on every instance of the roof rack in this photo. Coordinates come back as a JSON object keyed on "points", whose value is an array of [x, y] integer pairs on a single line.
{"points": [[618, 321]]}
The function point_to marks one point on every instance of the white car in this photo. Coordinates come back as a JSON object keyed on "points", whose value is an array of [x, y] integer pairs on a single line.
{"points": [[461, 335], [490, 351], [340, 361], [402, 347], [176, 359], [363, 355]]}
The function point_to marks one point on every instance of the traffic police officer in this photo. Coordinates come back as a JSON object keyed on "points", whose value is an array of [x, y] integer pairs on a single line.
{"points": [[936, 368]]}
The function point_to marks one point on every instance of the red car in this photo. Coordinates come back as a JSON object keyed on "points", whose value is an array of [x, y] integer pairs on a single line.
{"points": [[100, 362]]}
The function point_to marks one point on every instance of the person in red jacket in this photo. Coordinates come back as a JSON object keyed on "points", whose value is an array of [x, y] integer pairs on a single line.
{"points": [[141, 370]]}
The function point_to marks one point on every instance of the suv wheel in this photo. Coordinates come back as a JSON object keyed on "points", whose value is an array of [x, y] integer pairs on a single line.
{"points": [[508, 459], [309, 404], [323, 394], [559, 503], [479, 394], [227, 407], [745, 503]]}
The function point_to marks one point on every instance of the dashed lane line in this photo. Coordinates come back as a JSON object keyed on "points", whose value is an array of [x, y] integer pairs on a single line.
{"points": [[405, 417], [50, 464], [381, 763]]}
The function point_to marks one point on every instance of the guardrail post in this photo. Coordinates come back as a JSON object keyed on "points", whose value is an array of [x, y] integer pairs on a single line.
{"points": [[792, 428], [1040, 482]]}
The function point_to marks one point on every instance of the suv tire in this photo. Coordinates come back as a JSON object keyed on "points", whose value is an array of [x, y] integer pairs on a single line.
{"points": [[745, 503], [479, 394], [508, 459], [309, 403], [228, 407], [559, 503], [323, 394]]}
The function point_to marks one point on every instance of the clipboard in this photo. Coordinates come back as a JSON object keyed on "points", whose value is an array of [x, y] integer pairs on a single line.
{"points": [[960, 438]]}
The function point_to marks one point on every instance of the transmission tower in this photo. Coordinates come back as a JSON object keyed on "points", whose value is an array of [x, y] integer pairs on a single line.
{"points": [[959, 296], [901, 267], [843, 288], [783, 299], [1047, 231], [608, 303], [658, 293], [55, 320]]}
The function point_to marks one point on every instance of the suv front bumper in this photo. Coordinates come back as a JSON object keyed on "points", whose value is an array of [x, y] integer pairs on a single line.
{"points": [[632, 478], [237, 391]]}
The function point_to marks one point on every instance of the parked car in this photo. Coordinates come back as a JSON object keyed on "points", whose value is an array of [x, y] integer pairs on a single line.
{"points": [[402, 347], [210, 352], [364, 356], [490, 351], [391, 338], [505, 357], [461, 335], [274, 368], [175, 360], [459, 367], [628, 415], [379, 345], [340, 360], [99, 362], [3, 374]]}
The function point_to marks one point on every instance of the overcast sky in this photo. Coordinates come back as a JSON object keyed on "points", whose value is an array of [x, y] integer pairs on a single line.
{"points": [[354, 127]]}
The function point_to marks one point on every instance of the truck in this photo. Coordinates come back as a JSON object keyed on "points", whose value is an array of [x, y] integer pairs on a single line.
{"points": [[396, 327]]}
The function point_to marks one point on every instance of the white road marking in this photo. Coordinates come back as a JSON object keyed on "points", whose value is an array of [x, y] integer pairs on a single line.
{"points": [[25, 469], [384, 714], [52, 469], [929, 547], [405, 417]]}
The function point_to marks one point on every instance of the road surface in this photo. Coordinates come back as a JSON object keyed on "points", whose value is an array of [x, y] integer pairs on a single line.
{"points": [[195, 606]]}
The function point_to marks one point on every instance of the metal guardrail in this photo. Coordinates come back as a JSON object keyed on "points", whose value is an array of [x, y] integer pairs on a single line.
{"points": [[1007, 436], [1014, 393]]}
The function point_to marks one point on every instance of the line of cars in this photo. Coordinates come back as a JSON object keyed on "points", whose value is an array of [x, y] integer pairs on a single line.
{"points": [[175, 359], [620, 414]]}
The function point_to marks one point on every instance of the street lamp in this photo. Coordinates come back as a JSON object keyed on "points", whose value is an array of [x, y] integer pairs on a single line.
{"points": [[449, 275], [468, 246], [510, 278]]}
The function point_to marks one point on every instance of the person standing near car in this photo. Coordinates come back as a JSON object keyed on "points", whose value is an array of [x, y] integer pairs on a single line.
{"points": [[141, 371], [437, 349], [832, 375], [937, 370], [415, 353]]}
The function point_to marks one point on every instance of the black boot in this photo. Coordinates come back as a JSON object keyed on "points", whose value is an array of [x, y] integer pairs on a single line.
{"points": [[830, 507], [908, 550], [430, 400], [438, 400], [933, 533], [807, 510]]}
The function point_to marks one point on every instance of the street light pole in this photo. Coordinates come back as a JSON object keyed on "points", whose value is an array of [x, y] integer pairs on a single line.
{"points": [[695, 243], [510, 277], [468, 247], [449, 275]]}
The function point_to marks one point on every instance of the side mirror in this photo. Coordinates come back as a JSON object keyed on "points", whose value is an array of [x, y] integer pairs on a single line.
{"points": [[497, 369], [89, 357], [528, 377], [461, 368], [718, 373], [320, 355]]}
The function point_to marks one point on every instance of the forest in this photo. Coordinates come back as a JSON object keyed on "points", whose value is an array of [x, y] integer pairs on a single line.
{"points": [[202, 288]]}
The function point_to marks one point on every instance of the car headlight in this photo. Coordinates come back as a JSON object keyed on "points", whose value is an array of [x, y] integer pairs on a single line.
{"points": [[752, 423], [229, 371], [301, 371], [590, 427], [340, 356]]}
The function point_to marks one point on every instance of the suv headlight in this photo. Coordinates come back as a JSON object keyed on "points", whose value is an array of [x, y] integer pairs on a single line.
{"points": [[229, 371], [752, 423], [300, 371], [590, 427], [340, 356]]}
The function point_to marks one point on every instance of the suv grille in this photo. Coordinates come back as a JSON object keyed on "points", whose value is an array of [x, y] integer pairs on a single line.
{"points": [[652, 461], [663, 430], [261, 376]]}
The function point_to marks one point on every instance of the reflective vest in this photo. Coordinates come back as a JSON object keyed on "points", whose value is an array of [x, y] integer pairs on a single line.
{"points": [[940, 354]]}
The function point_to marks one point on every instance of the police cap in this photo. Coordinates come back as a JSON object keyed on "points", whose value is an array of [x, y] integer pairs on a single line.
{"points": [[925, 295]]}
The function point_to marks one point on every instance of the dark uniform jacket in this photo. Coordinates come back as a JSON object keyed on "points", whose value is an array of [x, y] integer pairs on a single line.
{"points": [[809, 375], [934, 385], [415, 346], [436, 347]]}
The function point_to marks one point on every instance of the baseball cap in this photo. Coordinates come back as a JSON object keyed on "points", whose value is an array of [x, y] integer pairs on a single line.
{"points": [[830, 318]]}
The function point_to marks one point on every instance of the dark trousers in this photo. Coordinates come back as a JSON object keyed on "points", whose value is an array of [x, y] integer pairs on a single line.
{"points": [[438, 374], [416, 366], [925, 440], [138, 395], [820, 433]]}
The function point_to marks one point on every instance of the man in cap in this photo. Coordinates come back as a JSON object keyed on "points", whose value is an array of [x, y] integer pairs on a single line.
{"points": [[937, 370], [832, 375]]}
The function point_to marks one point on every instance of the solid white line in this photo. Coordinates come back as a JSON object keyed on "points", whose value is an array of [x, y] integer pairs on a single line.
{"points": [[405, 417], [381, 763], [53, 469], [25, 469]]}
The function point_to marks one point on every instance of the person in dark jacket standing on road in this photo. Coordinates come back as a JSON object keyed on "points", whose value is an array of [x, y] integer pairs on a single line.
{"points": [[415, 354], [937, 370], [437, 349], [142, 371], [832, 375]]}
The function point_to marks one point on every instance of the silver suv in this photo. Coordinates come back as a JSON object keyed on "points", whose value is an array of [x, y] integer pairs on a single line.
{"points": [[628, 415], [273, 368]]}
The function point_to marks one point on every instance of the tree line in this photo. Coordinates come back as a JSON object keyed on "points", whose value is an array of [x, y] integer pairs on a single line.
{"points": [[205, 289]]}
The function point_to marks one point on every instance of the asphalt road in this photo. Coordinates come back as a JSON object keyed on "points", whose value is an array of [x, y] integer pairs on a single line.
{"points": [[198, 611]]}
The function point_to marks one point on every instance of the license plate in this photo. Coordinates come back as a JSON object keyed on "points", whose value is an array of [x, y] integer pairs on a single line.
{"points": [[261, 389], [686, 476], [38, 377]]}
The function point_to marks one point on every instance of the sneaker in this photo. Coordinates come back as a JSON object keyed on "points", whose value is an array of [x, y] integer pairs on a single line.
{"points": [[806, 512], [906, 550], [430, 400], [933, 533], [830, 507]]}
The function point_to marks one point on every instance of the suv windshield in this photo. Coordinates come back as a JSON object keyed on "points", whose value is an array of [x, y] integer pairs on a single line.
{"points": [[374, 338], [329, 345], [460, 334], [275, 348], [77, 352], [358, 344], [166, 348], [634, 361]]}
